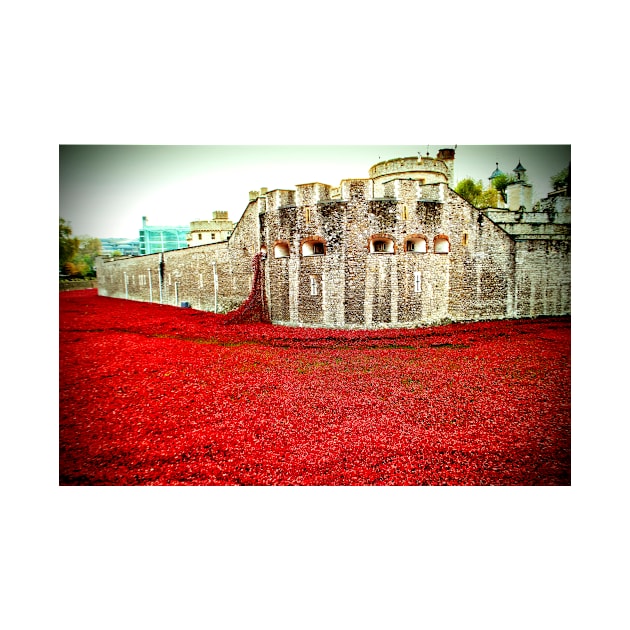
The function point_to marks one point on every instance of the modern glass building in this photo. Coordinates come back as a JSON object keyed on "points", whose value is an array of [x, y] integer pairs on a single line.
{"points": [[125, 246], [162, 238]]}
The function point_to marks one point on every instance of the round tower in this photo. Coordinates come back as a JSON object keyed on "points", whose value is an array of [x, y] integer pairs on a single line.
{"points": [[426, 170]]}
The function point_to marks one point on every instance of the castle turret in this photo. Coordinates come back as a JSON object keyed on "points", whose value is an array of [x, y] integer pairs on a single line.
{"points": [[495, 173], [519, 193], [520, 171], [448, 157], [426, 170]]}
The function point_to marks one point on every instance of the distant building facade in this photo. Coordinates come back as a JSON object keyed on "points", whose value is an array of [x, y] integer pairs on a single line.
{"points": [[124, 246], [205, 232], [160, 238]]}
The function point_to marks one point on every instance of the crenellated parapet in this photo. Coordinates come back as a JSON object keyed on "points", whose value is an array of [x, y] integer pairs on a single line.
{"points": [[409, 165], [427, 170], [310, 194], [408, 190], [352, 188], [280, 199]]}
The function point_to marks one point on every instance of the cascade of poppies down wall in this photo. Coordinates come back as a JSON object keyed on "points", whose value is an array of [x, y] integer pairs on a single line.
{"points": [[254, 309]]}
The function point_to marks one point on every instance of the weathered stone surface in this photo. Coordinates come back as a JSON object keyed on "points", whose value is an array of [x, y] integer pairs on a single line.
{"points": [[325, 267]]}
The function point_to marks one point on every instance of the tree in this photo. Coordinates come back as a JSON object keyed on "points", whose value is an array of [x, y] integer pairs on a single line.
{"points": [[500, 184], [68, 245], [77, 255], [74, 270], [562, 179], [89, 249], [469, 190], [489, 198], [472, 191]]}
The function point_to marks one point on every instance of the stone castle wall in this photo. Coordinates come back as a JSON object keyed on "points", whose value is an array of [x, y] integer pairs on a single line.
{"points": [[543, 277], [324, 266], [188, 275]]}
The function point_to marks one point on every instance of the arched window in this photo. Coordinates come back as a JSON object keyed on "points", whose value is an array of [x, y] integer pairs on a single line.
{"points": [[313, 247], [381, 245], [441, 244], [281, 249], [416, 244]]}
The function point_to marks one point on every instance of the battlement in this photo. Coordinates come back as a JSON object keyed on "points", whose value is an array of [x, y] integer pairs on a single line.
{"points": [[417, 165], [400, 189], [309, 194], [203, 232], [406, 189], [254, 194], [206, 226]]}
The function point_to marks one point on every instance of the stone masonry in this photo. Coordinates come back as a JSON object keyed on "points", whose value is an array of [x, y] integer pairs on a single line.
{"points": [[399, 248]]}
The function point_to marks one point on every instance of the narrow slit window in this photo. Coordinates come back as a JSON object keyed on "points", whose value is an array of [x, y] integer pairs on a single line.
{"points": [[313, 285], [417, 281]]}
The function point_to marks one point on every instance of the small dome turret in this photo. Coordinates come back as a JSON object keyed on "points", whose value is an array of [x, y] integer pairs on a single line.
{"points": [[519, 170], [496, 172]]}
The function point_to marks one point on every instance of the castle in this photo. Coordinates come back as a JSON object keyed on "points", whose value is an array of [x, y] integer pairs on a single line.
{"points": [[397, 249]]}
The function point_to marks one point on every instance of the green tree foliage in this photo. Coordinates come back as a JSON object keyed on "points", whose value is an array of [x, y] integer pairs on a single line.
{"points": [[500, 184], [561, 179], [68, 245], [470, 190], [473, 192], [76, 255], [89, 249], [489, 198]]}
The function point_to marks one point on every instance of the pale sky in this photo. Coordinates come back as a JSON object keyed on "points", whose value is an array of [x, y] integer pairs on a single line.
{"points": [[105, 190]]}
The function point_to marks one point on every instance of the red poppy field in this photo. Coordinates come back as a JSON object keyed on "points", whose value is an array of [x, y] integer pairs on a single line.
{"points": [[159, 395]]}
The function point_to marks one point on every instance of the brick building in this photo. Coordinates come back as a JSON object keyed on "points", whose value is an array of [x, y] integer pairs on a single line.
{"points": [[399, 248]]}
